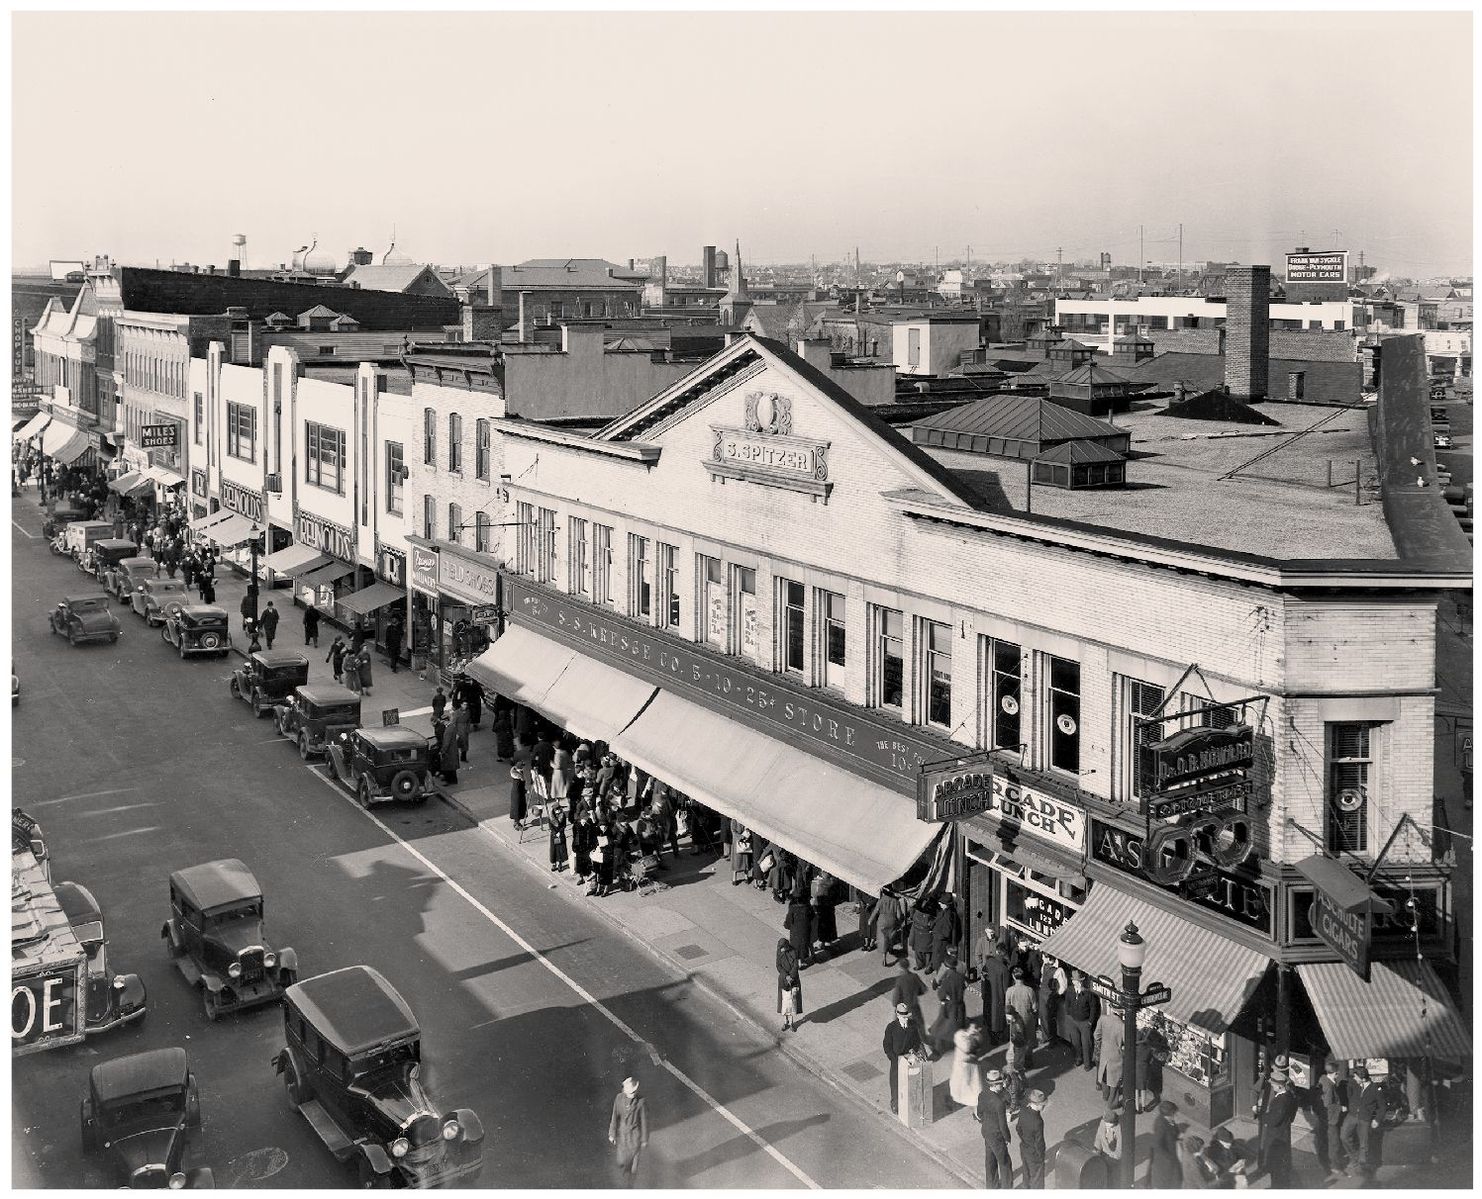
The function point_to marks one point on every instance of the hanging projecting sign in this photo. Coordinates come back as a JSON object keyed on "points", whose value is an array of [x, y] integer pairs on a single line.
{"points": [[1192, 755], [159, 437], [424, 570], [962, 790], [1345, 932]]}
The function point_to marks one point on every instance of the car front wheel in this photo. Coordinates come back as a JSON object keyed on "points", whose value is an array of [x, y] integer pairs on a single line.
{"points": [[213, 1009], [293, 1082], [304, 750], [89, 1131], [257, 705], [363, 792], [71, 636]]}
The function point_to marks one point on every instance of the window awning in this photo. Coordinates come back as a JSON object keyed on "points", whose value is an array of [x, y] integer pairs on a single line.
{"points": [[291, 556], [64, 443], [234, 530], [1211, 977], [1402, 1011], [368, 599], [325, 576], [1341, 885], [163, 474], [202, 523], [33, 426], [521, 666], [125, 482], [857, 830]]}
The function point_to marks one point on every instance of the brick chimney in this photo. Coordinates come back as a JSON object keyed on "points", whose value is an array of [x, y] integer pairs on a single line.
{"points": [[494, 282], [482, 322], [585, 340], [816, 352], [360, 256], [524, 329], [1247, 331]]}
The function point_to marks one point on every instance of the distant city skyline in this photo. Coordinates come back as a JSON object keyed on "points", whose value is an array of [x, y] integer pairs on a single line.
{"points": [[583, 135]]}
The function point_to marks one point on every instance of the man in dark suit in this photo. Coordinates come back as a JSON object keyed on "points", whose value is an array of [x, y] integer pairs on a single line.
{"points": [[1080, 1013], [1361, 1127], [1108, 1040], [993, 1116], [1329, 1104], [901, 1037], [1275, 1145], [952, 988], [1032, 1139], [996, 978]]}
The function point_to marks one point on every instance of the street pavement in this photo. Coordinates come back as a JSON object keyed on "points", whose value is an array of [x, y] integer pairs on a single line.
{"points": [[533, 1010]]}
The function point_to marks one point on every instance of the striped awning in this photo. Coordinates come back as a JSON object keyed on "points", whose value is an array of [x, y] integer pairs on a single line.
{"points": [[33, 426], [64, 443], [1211, 976], [325, 576], [202, 523], [1402, 1011]]}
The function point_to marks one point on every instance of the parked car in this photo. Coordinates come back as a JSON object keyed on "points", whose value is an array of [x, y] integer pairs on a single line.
{"points": [[316, 714], [155, 598], [268, 677], [142, 1109], [111, 999], [352, 1066], [81, 535], [15, 689], [1442, 441], [129, 574], [215, 937], [379, 764], [198, 629], [100, 560], [82, 618]]}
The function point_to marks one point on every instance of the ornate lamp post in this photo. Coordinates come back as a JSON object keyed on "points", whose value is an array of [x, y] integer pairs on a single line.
{"points": [[254, 544], [1131, 950]]}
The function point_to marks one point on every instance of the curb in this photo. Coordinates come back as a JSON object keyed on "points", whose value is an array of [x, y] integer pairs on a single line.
{"points": [[812, 1065]]}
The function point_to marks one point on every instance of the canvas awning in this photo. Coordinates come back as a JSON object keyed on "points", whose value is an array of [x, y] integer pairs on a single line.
{"points": [[1402, 1011], [325, 576], [125, 483], [202, 523], [33, 426], [859, 831], [368, 599], [165, 476], [284, 561], [64, 443], [1211, 976], [234, 530]]}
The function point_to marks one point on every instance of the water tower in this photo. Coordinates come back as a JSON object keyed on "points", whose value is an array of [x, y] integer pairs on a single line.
{"points": [[239, 248]]}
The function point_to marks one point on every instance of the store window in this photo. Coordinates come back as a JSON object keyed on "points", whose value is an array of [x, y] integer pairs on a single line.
{"points": [[525, 547], [890, 659], [640, 567], [578, 560], [794, 619], [455, 443], [455, 524], [1350, 757], [481, 449], [1064, 704], [1003, 694], [668, 587], [835, 641], [713, 603], [745, 614], [1143, 700], [545, 565], [602, 564], [937, 647]]}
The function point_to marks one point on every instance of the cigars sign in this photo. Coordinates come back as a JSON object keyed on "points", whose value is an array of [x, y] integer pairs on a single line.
{"points": [[962, 791]]}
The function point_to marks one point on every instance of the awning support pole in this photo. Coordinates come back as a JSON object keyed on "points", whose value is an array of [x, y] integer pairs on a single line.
{"points": [[1283, 1007], [1405, 818]]}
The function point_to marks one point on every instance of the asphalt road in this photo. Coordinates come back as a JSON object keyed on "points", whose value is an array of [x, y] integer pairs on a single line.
{"points": [[532, 1010]]}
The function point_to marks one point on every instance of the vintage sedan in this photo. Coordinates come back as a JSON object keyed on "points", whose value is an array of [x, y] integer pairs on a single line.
{"points": [[128, 575], [352, 1066], [112, 999], [104, 556], [155, 598], [316, 714], [142, 1109], [215, 937], [381, 764], [268, 677], [82, 618], [198, 629], [79, 537]]}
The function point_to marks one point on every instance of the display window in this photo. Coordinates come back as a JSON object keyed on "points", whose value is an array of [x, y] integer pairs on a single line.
{"points": [[1201, 1057]]}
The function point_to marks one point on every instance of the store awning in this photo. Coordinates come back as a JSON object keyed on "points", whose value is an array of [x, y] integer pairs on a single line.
{"points": [[1341, 885], [202, 523], [165, 476], [234, 530], [290, 556], [521, 666], [1211, 977], [1402, 1011], [124, 483], [64, 443], [33, 426], [857, 830], [368, 599], [308, 567], [325, 576]]}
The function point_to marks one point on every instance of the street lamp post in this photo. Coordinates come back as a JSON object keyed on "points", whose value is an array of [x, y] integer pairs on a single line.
{"points": [[1131, 950], [253, 543]]}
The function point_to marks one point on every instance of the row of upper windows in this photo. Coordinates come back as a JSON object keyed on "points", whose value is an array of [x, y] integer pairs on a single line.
{"points": [[482, 442], [168, 376]]}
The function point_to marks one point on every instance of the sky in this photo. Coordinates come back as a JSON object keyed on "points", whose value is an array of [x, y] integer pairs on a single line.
{"points": [[496, 137]]}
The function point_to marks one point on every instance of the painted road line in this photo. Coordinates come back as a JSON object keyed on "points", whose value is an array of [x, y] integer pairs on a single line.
{"points": [[20, 530], [418, 711], [586, 996]]}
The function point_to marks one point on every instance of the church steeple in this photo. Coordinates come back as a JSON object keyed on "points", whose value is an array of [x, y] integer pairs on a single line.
{"points": [[737, 302]]}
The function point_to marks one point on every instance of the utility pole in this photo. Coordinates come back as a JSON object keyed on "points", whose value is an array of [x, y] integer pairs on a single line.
{"points": [[1141, 260], [1180, 250], [1060, 266]]}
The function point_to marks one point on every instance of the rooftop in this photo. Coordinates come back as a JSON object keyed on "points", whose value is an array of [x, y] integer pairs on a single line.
{"points": [[570, 273]]}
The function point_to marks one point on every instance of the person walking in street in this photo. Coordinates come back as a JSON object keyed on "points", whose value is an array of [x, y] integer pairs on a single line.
{"points": [[357, 638], [270, 623], [460, 727], [994, 968], [1361, 1126], [918, 939], [946, 931], [952, 990], [1164, 1169], [556, 830], [473, 696], [993, 1121], [798, 924], [561, 767], [1052, 987], [207, 587], [1024, 1004], [1108, 1041], [867, 910], [188, 571], [1274, 1153], [965, 1083], [448, 751], [393, 642], [542, 754], [902, 1037], [1329, 1106], [1150, 1053], [1080, 1016], [887, 926], [1032, 1139], [583, 841], [627, 1131], [825, 923], [789, 985], [439, 702], [908, 990], [336, 660], [311, 625], [504, 741], [519, 783]]}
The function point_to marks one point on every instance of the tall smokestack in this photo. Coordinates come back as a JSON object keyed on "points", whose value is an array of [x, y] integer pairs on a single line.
{"points": [[1247, 331], [707, 266]]}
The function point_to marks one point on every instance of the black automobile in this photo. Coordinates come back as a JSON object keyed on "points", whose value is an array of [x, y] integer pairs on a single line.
{"points": [[112, 999], [268, 677], [215, 936], [156, 598], [198, 629], [104, 555], [128, 575], [142, 1109], [81, 618], [317, 714], [390, 762], [352, 1066]]}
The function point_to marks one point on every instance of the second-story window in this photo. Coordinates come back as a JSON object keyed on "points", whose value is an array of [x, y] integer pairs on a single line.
{"points": [[937, 647], [455, 524], [794, 619], [394, 480], [713, 608], [525, 547], [601, 564], [668, 587], [481, 448], [1064, 711], [641, 569], [324, 457], [578, 560], [455, 443], [1350, 758], [481, 532], [429, 437], [890, 659], [745, 614], [429, 518], [545, 565], [241, 432], [835, 644], [200, 405], [1143, 700], [1004, 695]]}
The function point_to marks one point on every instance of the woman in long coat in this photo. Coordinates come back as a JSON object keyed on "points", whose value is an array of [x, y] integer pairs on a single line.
{"points": [[448, 759], [504, 736], [561, 769], [799, 928], [583, 841], [825, 925], [994, 968], [365, 670], [888, 925], [517, 785], [1152, 1052], [789, 984], [557, 831], [1165, 1171]]}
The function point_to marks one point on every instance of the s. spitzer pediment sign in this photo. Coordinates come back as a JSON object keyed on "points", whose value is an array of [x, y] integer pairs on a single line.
{"points": [[767, 451]]}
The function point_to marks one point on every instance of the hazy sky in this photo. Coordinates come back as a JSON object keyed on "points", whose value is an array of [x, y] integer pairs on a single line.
{"points": [[504, 136]]}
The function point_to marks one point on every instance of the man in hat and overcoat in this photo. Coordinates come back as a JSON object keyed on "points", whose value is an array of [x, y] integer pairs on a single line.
{"points": [[1032, 1139], [902, 1036], [1329, 1105], [993, 1116], [1274, 1148]]}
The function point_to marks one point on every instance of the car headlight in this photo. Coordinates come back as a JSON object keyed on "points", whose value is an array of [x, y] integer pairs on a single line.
{"points": [[118, 983], [235, 970], [400, 1146], [269, 960], [177, 1181], [451, 1130]]}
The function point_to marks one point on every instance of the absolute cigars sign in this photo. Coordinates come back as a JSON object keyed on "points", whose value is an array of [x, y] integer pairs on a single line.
{"points": [[891, 755], [1346, 932]]}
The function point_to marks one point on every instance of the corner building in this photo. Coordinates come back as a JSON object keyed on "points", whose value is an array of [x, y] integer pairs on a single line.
{"points": [[758, 592]]}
